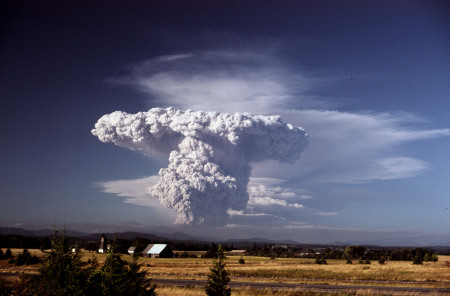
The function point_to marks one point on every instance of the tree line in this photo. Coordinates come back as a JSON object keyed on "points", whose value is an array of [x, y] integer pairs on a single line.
{"points": [[350, 252], [122, 245]]}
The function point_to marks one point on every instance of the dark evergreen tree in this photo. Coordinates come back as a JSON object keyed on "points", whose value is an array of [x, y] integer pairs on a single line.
{"points": [[218, 278], [212, 251], [8, 253], [65, 274], [118, 277], [354, 252], [25, 258]]}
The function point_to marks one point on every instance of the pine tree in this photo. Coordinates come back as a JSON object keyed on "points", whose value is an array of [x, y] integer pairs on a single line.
{"points": [[118, 277], [8, 254], [218, 278], [63, 272]]}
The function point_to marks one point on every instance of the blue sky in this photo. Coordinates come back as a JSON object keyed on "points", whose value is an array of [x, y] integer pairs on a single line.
{"points": [[369, 81]]}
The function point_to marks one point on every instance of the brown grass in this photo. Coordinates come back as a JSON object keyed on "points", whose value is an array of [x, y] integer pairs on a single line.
{"points": [[288, 270]]}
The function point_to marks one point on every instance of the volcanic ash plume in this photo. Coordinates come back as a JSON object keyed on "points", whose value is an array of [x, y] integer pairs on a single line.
{"points": [[209, 167]]}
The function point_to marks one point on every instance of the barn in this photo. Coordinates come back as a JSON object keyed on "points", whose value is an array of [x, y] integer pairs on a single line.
{"points": [[157, 251], [131, 250]]}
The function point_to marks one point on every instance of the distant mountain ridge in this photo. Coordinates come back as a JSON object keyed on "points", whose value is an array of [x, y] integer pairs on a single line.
{"points": [[175, 236], [262, 240], [42, 232], [94, 236]]}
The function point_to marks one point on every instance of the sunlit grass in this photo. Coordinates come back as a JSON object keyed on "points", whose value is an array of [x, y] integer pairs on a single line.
{"points": [[292, 270]]}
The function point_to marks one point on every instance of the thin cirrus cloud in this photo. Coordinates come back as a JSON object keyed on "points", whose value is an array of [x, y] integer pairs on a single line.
{"points": [[135, 191], [355, 147], [344, 147], [217, 81]]}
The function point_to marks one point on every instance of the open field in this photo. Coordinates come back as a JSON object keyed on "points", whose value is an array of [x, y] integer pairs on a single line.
{"points": [[289, 271]]}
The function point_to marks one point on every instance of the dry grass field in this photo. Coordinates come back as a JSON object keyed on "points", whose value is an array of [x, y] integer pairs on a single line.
{"points": [[286, 270], [300, 271]]}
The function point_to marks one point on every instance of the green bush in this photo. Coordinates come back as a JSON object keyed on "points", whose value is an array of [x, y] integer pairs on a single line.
{"points": [[8, 254], [321, 261], [25, 258], [434, 258], [417, 260]]}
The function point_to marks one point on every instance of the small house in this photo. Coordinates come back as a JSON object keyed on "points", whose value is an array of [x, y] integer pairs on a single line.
{"points": [[158, 251], [131, 250]]}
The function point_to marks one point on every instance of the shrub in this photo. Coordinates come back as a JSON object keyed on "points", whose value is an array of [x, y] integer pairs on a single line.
{"points": [[349, 261], [25, 258], [321, 261], [417, 260], [183, 255], [434, 258], [8, 254]]}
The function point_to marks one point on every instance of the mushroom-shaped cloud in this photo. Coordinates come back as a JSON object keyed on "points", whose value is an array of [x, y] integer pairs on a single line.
{"points": [[209, 158]]}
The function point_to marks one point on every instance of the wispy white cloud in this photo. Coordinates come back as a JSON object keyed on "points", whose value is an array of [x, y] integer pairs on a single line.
{"points": [[353, 147], [219, 81], [267, 192], [325, 214], [135, 191]]}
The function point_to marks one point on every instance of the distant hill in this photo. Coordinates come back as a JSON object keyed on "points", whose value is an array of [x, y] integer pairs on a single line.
{"points": [[186, 237], [16, 231], [263, 240], [177, 236], [43, 232], [126, 235]]}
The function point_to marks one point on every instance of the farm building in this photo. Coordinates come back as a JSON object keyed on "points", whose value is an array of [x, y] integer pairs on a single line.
{"points": [[75, 248], [236, 252], [104, 247], [131, 250], [157, 251]]}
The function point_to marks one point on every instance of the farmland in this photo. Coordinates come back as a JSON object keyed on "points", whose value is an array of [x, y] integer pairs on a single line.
{"points": [[265, 276]]}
